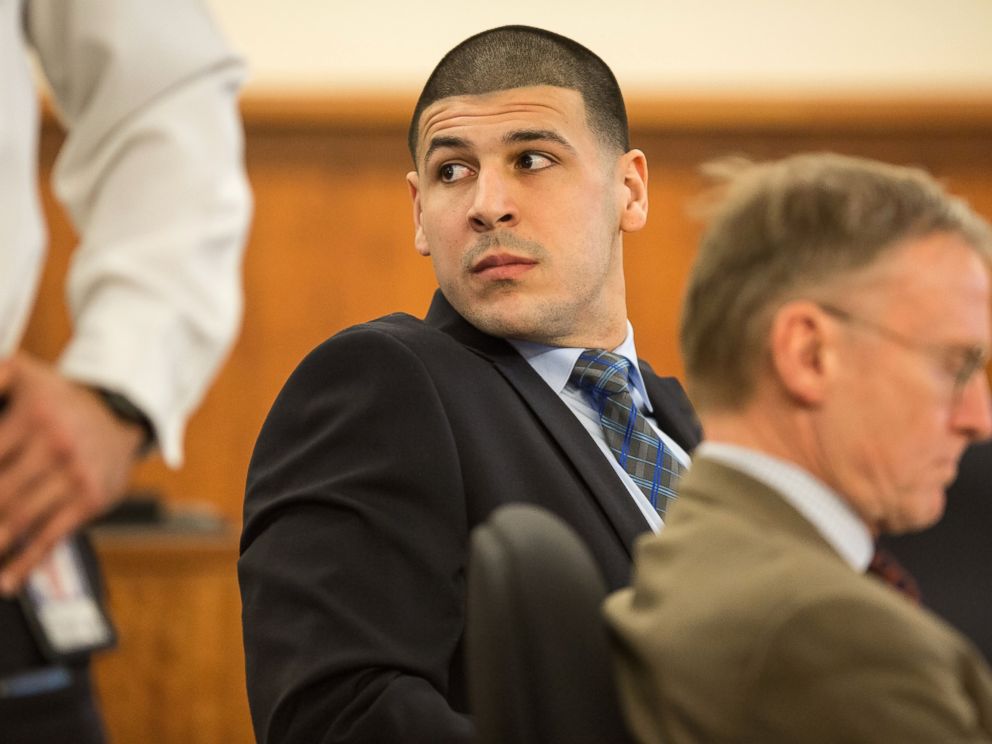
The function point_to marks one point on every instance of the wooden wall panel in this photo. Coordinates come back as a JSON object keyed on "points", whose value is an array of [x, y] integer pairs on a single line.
{"points": [[331, 245], [177, 675]]}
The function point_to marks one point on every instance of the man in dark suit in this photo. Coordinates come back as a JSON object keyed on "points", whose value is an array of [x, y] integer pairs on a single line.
{"points": [[395, 437], [835, 333]]}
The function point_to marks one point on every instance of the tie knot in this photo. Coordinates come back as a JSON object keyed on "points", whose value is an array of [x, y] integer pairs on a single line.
{"points": [[601, 372]]}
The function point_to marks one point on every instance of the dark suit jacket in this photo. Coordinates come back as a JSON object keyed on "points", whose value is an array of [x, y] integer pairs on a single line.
{"points": [[744, 625], [387, 445]]}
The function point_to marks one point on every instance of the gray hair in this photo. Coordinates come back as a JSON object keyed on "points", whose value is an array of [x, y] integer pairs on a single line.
{"points": [[779, 229]]}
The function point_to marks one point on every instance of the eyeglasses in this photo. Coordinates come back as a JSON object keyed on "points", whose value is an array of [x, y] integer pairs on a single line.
{"points": [[961, 362]]}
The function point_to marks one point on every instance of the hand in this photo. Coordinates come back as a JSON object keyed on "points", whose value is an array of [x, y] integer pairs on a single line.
{"points": [[64, 458]]}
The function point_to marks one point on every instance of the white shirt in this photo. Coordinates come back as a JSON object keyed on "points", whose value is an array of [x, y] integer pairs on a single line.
{"points": [[554, 365], [152, 176], [821, 506]]}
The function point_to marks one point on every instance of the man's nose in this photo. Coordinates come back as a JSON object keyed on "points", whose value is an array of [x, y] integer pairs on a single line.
{"points": [[973, 413], [494, 205]]}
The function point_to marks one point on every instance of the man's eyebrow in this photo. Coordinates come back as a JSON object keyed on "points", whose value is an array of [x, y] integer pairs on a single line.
{"points": [[444, 141], [537, 135], [517, 136]]}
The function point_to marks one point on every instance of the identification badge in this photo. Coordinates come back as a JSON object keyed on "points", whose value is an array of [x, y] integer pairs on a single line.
{"points": [[62, 608]]}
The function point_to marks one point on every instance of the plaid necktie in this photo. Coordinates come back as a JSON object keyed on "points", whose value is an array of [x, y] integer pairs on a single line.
{"points": [[885, 566], [606, 378]]}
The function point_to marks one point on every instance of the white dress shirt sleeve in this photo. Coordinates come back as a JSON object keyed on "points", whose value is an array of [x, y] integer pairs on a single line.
{"points": [[152, 176]]}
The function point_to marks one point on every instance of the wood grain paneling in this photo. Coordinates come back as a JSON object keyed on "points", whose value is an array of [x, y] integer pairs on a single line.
{"points": [[331, 243], [177, 675]]}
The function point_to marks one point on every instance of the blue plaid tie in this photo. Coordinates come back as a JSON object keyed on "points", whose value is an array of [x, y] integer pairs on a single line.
{"points": [[606, 378]]}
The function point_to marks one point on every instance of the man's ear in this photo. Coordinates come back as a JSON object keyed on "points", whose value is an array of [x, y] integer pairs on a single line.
{"points": [[801, 351], [634, 167], [419, 240]]}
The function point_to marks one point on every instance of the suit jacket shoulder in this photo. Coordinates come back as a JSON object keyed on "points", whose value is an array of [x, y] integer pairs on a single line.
{"points": [[386, 446], [747, 626]]}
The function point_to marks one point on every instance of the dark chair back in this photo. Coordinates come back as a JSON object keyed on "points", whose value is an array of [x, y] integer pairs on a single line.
{"points": [[539, 668]]}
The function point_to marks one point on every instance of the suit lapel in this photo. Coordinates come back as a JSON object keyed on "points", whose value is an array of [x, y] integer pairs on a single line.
{"points": [[672, 409], [560, 423]]}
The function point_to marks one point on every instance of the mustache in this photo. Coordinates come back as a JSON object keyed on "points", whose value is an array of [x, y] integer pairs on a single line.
{"points": [[485, 243]]}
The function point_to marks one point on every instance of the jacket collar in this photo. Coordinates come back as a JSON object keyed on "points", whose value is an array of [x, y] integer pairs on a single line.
{"points": [[559, 421]]}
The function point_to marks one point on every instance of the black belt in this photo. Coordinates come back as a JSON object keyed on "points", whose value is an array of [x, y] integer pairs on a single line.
{"points": [[37, 681]]}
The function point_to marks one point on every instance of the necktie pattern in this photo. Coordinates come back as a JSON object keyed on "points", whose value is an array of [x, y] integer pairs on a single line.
{"points": [[606, 378]]}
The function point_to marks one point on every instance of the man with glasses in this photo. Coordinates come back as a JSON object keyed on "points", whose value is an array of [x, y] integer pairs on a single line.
{"points": [[835, 332]]}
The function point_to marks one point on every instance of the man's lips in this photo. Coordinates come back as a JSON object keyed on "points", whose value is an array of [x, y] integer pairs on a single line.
{"points": [[502, 266]]}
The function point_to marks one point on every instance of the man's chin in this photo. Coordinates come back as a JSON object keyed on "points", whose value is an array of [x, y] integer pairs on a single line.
{"points": [[508, 316], [509, 328], [930, 511]]}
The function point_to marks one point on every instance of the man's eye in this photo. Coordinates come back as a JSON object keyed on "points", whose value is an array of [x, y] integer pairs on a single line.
{"points": [[534, 161], [450, 172], [963, 364]]}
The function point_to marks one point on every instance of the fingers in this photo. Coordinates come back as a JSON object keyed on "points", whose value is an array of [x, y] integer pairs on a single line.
{"points": [[11, 427], [64, 458], [36, 462], [59, 523], [45, 497], [34, 523], [19, 470], [47, 508]]}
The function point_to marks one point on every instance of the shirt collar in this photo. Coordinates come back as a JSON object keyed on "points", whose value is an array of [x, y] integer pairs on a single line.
{"points": [[821, 506], [555, 363]]}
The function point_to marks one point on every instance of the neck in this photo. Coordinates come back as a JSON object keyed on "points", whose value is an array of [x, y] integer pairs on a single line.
{"points": [[775, 435], [608, 334], [786, 435]]}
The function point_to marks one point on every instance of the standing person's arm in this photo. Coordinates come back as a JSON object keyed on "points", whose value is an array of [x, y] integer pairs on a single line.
{"points": [[152, 176]]}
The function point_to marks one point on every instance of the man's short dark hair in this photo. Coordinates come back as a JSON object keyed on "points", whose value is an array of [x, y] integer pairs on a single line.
{"points": [[519, 56]]}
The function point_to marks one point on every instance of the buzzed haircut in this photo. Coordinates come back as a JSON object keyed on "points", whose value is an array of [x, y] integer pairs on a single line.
{"points": [[519, 56], [791, 229]]}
